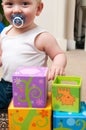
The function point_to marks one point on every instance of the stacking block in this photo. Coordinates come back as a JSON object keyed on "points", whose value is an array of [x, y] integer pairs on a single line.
{"points": [[30, 118], [70, 121], [66, 93], [30, 87]]}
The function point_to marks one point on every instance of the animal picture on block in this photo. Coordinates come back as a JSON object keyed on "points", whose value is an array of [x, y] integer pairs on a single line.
{"points": [[65, 96], [30, 87], [66, 93]]}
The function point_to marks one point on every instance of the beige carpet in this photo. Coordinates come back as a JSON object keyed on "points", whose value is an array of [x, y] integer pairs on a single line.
{"points": [[77, 67]]}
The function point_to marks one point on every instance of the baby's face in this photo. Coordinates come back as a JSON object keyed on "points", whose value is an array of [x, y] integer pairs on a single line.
{"points": [[27, 8]]}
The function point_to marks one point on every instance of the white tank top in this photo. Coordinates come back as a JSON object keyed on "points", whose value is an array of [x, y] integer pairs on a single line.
{"points": [[20, 51]]}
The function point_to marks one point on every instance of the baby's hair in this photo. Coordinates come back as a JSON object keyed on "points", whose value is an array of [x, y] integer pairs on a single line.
{"points": [[39, 0]]}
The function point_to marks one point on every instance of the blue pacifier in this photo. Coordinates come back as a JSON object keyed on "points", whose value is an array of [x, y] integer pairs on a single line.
{"points": [[18, 20]]}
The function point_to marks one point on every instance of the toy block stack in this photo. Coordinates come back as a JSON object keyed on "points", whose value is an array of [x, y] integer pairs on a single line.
{"points": [[68, 112], [30, 107]]}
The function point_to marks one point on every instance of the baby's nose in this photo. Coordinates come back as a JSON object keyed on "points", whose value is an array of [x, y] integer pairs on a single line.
{"points": [[17, 9]]}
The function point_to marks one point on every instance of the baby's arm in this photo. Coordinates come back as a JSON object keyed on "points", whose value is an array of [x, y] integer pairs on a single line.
{"points": [[0, 53], [46, 42]]}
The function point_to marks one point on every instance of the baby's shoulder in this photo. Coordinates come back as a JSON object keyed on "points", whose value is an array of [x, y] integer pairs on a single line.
{"points": [[45, 37]]}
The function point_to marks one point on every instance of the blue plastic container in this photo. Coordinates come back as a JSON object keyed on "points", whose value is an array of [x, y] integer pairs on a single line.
{"points": [[1, 26], [69, 120]]}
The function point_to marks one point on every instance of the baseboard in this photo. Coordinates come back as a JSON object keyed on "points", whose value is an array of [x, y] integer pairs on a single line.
{"points": [[62, 43], [71, 44], [67, 44]]}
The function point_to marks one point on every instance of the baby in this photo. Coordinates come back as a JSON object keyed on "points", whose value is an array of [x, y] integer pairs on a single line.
{"points": [[24, 43]]}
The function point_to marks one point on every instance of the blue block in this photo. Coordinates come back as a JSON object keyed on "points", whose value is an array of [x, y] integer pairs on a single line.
{"points": [[70, 121]]}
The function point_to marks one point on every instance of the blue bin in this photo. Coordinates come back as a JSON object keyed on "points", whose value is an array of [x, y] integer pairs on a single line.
{"points": [[1, 26], [70, 120]]}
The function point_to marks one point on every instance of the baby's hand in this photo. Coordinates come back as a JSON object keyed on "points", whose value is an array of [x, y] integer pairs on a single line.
{"points": [[58, 66], [54, 71]]}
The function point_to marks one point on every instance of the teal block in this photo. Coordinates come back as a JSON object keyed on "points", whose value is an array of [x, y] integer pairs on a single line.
{"points": [[66, 93], [69, 120]]}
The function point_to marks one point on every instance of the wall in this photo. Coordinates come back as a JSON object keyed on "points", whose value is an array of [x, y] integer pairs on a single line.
{"points": [[56, 19]]}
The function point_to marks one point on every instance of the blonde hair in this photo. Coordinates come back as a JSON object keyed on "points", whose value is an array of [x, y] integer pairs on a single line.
{"points": [[39, 0]]}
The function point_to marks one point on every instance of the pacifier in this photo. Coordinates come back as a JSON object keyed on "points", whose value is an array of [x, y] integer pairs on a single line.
{"points": [[18, 20]]}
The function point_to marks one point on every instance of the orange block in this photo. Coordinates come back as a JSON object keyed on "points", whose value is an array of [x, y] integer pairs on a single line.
{"points": [[30, 118]]}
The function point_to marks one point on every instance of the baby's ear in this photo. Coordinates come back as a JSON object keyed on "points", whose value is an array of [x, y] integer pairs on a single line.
{"points": [[39, 8]]}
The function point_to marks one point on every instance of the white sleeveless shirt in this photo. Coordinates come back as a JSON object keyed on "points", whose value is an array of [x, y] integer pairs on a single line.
{"points": [[20, 51]]}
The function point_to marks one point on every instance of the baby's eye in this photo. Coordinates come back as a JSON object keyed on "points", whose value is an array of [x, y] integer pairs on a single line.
{"points": [[9, 4], [25, 3]]}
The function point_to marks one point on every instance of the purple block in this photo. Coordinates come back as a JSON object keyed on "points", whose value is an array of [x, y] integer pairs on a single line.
{"points": [[30, 87]]}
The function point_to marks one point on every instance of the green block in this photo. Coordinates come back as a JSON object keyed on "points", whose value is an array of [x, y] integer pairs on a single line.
{"points": [[66, 93]]}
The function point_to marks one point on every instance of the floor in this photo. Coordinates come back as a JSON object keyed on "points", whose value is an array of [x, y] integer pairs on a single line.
{"points": [[3, 120], [77, 67]]}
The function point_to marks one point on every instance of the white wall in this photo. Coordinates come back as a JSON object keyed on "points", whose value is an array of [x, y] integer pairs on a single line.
{"points": [[56, 19], [47, 18]]}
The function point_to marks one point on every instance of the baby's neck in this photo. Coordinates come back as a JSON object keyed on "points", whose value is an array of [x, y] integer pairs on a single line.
{"points": [[15, 31]]}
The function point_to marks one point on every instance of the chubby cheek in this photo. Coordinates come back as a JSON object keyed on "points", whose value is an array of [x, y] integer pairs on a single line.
{"points": [[8, 19], [30, 17], [7, 15], [30, 14]]}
